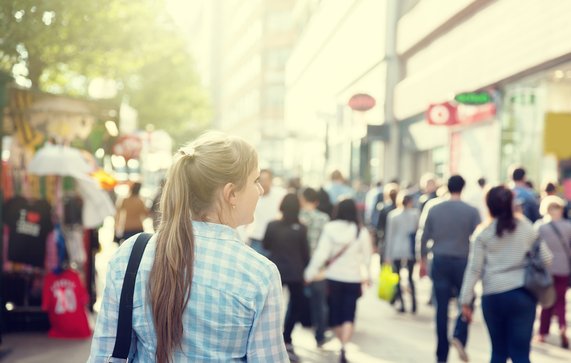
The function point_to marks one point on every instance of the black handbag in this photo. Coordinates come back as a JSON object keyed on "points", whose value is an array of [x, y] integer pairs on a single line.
{"points": [[125, 318], [538, 281]]}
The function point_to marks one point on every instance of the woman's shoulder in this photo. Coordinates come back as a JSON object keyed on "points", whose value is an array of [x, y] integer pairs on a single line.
{"points": [[118, 262], [524, 225], [485, 231]]}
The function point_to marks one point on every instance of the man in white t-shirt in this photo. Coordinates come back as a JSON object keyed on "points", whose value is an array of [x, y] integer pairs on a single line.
{"points": [[267, 210]]}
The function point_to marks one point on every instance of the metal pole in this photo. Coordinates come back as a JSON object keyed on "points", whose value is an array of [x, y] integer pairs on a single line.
{"points": [[4, 79], [392, 162]]}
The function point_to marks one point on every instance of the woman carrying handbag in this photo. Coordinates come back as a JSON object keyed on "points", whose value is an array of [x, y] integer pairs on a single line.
{"points": [[498, 257], [556, 232]]}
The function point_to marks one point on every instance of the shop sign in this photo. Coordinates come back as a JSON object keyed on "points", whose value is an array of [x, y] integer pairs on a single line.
{"points": [[442, 114], [469, 114], [361, 102], [450, 114], [473, 98]]}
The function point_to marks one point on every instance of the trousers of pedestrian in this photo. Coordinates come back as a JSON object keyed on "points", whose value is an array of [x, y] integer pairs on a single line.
{"points": [[397, 265], [558, 309], [318, 302], [509, 317], [294, 308], [447, 276]]}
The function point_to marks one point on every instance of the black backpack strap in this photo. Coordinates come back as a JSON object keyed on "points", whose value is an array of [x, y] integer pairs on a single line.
{"points": [[125, 319]]}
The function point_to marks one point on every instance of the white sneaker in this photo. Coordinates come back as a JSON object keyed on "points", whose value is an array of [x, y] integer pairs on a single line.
{"points": [[461, 349]]}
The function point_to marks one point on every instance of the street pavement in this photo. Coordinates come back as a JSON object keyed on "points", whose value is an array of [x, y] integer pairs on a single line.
{"points": [[381, 336]]}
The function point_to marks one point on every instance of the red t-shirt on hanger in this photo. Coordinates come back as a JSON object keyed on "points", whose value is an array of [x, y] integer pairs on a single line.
{"points": [[65, 298]]}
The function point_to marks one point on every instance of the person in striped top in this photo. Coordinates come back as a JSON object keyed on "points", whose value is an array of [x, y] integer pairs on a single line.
{"points": [[497, 257]]}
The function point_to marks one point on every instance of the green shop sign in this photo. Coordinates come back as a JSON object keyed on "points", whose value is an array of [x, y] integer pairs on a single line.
{"points": [[473, 98]]}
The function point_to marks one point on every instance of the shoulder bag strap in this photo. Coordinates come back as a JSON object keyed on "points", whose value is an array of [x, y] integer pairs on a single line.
{"points": [[341, 251], [125, 319], [561, 239]]}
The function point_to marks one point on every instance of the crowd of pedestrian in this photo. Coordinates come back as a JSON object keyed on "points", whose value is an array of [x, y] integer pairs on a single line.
{"points": [[228, 241]]}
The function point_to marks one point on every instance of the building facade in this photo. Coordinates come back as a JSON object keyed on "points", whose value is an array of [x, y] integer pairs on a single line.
{"points": [[241, 50], [518, 53], [257, 38], [340, 53]]}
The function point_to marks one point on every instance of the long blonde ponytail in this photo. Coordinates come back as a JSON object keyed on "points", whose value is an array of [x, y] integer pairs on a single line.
{"points": [[174, 254], [199, 171]]}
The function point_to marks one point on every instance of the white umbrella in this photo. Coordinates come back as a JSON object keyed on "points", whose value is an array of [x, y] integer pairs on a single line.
{"points": [[59, 160], [97, 204], [68, 161]]}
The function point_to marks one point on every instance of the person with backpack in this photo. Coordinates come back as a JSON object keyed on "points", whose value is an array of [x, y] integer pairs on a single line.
{"points": [[525, 197]]}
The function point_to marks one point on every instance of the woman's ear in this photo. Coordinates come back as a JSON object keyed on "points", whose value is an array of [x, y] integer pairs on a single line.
{"points": [[229, 193]]}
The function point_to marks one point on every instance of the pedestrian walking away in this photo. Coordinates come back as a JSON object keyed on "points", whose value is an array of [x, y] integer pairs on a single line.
{"points": [[131, 212], [556, 232], [315, 220], [384, 207], [498, 258], [200, 294], [525, 198], [402, 224], [449, 225], [287, 246], [344, 251]]}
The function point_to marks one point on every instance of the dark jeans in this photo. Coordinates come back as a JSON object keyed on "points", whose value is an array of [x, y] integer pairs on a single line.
{"points": [[294, 308], [509, 316], [397, 265], [318, 302], [447, 276], [558, 308]]}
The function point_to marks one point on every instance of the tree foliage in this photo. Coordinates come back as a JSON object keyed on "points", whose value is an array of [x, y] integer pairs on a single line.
{"points": [[63, 44]]}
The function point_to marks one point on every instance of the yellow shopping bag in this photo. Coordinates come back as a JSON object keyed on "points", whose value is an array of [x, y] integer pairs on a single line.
{"points": [[388, 281]]}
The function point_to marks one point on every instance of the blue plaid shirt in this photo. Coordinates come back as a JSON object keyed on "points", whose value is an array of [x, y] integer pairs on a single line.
{"points": [[234, 313]]}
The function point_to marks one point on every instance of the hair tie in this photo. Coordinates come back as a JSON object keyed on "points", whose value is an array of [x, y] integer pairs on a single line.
{"points": [[189, 152]]}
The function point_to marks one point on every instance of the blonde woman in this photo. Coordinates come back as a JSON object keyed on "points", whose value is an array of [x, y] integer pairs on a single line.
{"points": [[200, 294]]}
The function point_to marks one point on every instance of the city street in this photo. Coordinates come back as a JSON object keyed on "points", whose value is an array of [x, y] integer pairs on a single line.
{"points": [[381, 335]]}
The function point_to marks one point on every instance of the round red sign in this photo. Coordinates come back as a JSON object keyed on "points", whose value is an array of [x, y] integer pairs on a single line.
{"points": [[361, 102]]}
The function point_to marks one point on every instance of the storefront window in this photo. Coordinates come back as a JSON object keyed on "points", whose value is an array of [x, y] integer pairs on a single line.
{"points": [[522, 130]]}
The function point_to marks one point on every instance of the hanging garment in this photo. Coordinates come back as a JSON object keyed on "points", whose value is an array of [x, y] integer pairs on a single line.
{"points": [[64, 298], [29, 222], [73, 236], [72, 210]]}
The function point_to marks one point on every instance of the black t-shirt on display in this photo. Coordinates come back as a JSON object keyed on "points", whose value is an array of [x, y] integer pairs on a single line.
{"points": [[29, 222]]}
